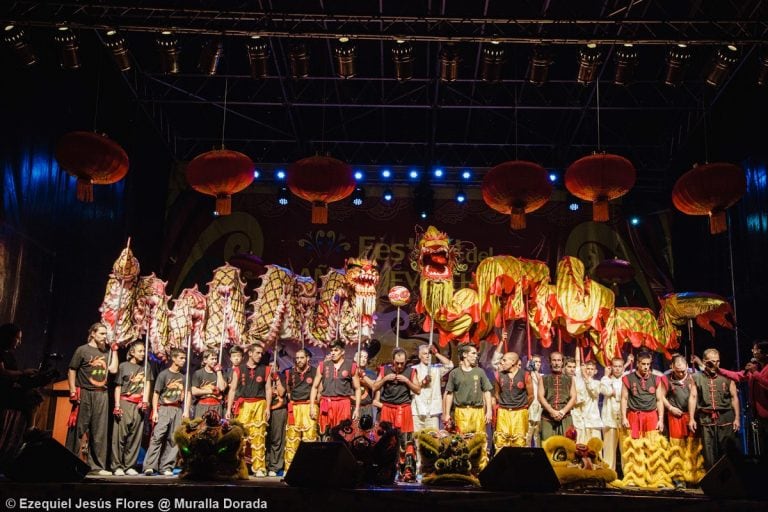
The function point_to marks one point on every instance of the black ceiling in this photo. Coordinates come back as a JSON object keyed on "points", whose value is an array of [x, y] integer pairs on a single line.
{"points": [[374, 120]]}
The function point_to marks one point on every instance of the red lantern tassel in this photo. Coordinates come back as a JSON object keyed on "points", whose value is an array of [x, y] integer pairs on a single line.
{"points": [[600, 211], [84, 190], [223, 204], [517, 218], [319, 212], [718, 222]]}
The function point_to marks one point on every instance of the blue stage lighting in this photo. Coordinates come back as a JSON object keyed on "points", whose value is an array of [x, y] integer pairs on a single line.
{"points": [[460, 196], [423, 215], [359, 175], [282, 196], [467, 174], [386, 174], [573, 206], [388, 195], [280, 174], [552, 177], [256, 174], [439, 172], [413, 174], [634, 221]]}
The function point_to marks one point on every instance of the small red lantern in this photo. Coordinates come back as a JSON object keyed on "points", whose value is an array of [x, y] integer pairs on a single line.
{"points": [[321, 180], [516, 187], [220, 173], [92, 158], [710, 189], [599, 178]]}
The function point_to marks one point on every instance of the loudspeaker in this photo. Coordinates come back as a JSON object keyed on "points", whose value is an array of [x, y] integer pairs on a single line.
{"points": [[46, 461], [323, 464], [734, 476], [519, 470]]}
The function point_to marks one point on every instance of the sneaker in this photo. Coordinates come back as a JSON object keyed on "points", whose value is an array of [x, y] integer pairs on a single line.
{"points": [[131, 472], [168, 472], [272, 473], [259, 474], [101, 472], [119, 472], [149, 472]]}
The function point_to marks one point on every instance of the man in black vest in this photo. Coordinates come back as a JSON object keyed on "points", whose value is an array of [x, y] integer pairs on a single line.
{"points": [[557, 394], [301, 426], [340, 380], [513, 393], [677, 402]]}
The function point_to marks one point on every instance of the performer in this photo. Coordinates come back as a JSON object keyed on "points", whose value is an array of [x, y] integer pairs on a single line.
{"points": [[207, 385], [236, 354], [513, 394], [587, 422], [340, 381], [610, 388], [278, 417], [301, 426], [396, 387], [428, 405], [253, 390], [367, 378], [87, 379], [131, 404], [532, 437], [714, 409], [168, 409], [680, 384], [557, 394]]}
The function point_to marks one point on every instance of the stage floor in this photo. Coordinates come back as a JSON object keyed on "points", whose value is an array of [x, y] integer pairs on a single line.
{"points": [[167, 494]]}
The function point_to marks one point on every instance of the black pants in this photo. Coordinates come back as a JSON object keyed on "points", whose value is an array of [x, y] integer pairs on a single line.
{"points": [[127, 432], [717, 439], [93, 419], [276, 439]]}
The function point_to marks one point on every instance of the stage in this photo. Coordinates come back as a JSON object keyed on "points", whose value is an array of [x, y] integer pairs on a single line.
{"points": [[148, 493]]}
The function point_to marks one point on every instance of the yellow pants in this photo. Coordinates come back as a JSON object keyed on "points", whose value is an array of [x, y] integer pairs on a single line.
{"points": [[304, 428], [687, 461], [253, 416], [511, 428], [468, 420], [645, 461]]}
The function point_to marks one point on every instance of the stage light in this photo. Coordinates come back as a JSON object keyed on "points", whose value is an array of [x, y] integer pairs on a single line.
{"points": [[258, 55], [626, 62], [438, 172], [210, 56], [402, 57], [358, 196], [298, 61], [283, 196], [678, 58], [388, 195], [168, 47], [256, 174], [725, 57], [68, 48], [553, 177], [424, 199], [540, 62], [589, 59], [762, 74], [449, 63], [466, 174], [574, 206], [461, 197], [346, 56], [359, 175], [492, 63], [16, 39], [386, 174], [115, 42], [280, 174], [413, 174], [423, 214], [635, 221]]}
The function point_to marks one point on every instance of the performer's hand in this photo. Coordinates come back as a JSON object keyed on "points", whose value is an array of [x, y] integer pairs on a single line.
{"points": [[275, 376], [607, 371], [488, 417], [355, 413], [313, 411], [115, 347], [228, 414], [117, 412], [625, 422], [74, 398], [360, 373], [143, 406], [677, 413], [736, 424], [631, 358], [426, 381], [750, 367], [696, 360], [660, 425], [30, 372], [267, 413], [154, 416], [217, 368], [216, 390], [433, 349], [692, 425], [401, 378], [185, 415], [390, 377]]}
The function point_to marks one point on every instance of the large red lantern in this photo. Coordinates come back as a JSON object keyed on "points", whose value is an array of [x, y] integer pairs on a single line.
{"points": [[516, 187], [92, 158], [220, 173], [710, 189], [321, 180], [600, 178]]}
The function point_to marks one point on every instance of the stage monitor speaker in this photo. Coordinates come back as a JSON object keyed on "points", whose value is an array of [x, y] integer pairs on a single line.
{"points": [[46, 460], [323, 464], [735, 476], [519, 470]]}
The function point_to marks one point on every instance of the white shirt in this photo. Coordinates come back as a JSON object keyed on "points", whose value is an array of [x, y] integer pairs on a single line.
{"points": [[430, 401], [586, 413], [611, 413]]}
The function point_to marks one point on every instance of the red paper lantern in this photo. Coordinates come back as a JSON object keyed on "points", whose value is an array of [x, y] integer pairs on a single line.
{"points": [[710, 189], [599, 178], [321, 180], [92, 158], [220, 173], [516, 187]]}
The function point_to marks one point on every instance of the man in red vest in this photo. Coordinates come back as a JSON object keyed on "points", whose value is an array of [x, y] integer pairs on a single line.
{"points": [[340, 381]]}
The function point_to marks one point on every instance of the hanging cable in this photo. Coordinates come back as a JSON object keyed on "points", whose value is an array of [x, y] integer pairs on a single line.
{"points": [[597, 95], [224, 119]]}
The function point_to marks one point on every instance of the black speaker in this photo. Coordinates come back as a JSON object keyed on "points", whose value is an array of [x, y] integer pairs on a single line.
{"points": [[519, 470], [323, 465], [46, 460], [735, 476]]}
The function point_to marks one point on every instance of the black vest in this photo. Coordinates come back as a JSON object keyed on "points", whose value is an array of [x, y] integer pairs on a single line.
{"points": [[253, 381], [338, 382], [513, 393], [395, 393], [642, 392], [300, 384]]}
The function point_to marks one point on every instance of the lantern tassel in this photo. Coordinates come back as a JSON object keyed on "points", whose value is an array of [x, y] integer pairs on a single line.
{"points": [[319, 212], [84, 190], [600, 212], [223, 204], [517, 218], [718, 222]]}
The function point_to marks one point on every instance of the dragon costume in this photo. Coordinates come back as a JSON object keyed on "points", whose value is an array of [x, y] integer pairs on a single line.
{"points": [[186, 320], [119, 297]]}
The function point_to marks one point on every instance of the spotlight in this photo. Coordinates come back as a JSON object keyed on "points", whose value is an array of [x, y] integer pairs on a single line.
{"points": [[552, 177], [388, 195], [424, 199], [402, 57], [413, 174], [762, 74], [346, 56], [298, 61], [466, 174], [541, 60], [635, 221], [280, 174], [283, 196], [359, 175], [115, 43], [210, 56], [574, 206], [258, 54], [168, 47], [589, 58], [678, 58], [725, 57], [438, 172], [449, 63], [492, 63], [626, 62], [461, 197], [358, 196], [386, 174], [68, 47], [256, 174], [16, 39]]}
